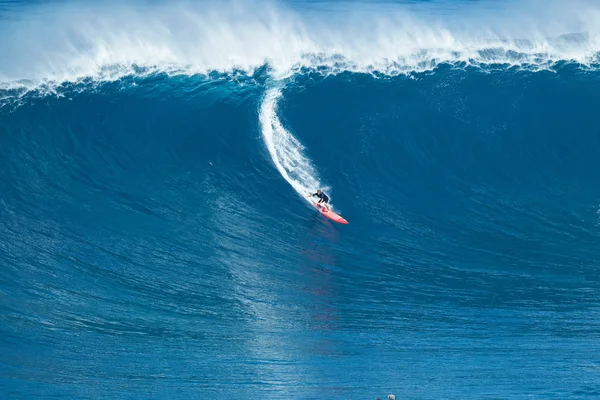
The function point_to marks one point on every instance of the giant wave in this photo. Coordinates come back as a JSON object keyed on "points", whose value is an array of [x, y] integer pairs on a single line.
{"points": [[154, 237]]}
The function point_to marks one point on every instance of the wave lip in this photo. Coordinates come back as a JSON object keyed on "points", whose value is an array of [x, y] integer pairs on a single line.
{"points": [[51, 46]]}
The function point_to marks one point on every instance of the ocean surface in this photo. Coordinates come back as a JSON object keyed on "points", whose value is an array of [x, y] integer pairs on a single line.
{"points": [[155, 237]]}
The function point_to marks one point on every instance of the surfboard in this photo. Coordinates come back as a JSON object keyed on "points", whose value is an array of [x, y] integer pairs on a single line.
{"points": [[330, 214]]}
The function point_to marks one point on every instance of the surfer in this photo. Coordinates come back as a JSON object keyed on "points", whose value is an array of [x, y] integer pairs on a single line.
{"points": [[323, 198]]}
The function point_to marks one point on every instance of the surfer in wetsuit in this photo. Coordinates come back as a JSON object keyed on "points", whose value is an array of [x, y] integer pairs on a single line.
{"points": [[323, 198]]}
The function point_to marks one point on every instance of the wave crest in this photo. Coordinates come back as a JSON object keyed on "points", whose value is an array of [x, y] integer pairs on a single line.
{"points": [[54, 44]]}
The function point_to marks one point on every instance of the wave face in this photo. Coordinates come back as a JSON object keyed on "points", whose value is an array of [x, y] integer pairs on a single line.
{"points": [[155, 237]]}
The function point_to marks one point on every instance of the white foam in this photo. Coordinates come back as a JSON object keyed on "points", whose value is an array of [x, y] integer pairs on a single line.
{"points": [[286, 151], [67, 42]]}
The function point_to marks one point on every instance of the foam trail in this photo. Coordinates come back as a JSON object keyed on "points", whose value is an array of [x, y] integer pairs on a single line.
{"points": [[285, 150]]}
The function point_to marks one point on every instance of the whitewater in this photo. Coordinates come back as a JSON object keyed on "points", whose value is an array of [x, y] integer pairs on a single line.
{"points": [[156, 240], [108, 41]]}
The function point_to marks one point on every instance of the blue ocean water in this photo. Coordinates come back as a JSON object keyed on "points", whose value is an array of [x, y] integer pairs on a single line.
{"points": [[154, 238]]}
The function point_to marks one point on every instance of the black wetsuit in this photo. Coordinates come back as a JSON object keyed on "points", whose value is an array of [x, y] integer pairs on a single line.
{"points": [[322, 196]]}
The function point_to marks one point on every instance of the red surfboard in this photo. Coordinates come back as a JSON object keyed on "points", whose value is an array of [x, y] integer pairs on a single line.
{"points": [[330, 214]]}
